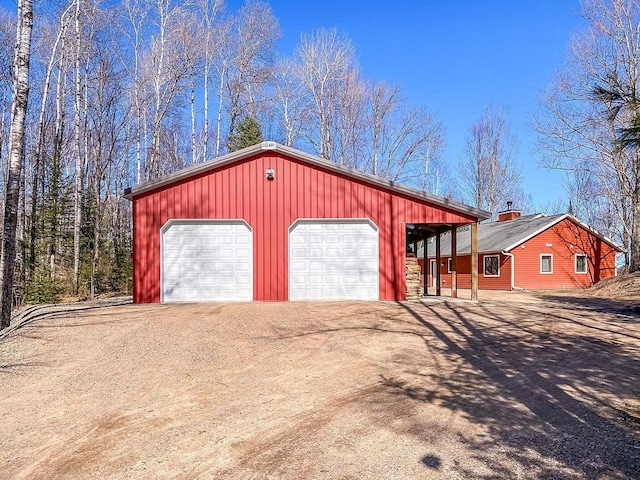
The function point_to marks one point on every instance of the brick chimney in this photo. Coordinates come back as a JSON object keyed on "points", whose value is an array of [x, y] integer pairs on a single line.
{"points": [[509, 213]]}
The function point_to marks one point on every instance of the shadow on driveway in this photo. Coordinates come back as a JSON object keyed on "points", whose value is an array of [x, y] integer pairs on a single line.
{"points": [[547, 396]]}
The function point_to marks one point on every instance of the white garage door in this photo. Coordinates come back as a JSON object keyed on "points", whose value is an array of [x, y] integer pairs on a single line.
{"points": [[205, 260], [333, 260]]}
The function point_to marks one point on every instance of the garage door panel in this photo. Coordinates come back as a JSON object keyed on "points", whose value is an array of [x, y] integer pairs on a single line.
{"points": [[207, 261], [333, 260], [316, 266], [366, 252], [243, 269]]}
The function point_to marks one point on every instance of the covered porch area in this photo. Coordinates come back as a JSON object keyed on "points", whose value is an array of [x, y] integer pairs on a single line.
{"points": [[418, 235]]}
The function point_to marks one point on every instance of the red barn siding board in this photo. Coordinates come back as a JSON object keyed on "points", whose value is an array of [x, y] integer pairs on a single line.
{"points": [[240, 190], [258, 234], [337, 198], [146, 213], [272, 235], [154, 217], [134, 254], [143, 251]]}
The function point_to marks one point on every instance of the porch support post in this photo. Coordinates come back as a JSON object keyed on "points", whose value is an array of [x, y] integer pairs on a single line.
{"points": [[425, 266], [454, 262], [474, 261], [438, 282]]}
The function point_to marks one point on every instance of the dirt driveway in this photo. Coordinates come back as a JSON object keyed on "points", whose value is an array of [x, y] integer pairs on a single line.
{"points": [[516, 386]]}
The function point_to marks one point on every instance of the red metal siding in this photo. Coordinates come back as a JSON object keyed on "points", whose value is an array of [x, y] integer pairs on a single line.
{"points": [[299, 190], [565, 239]]}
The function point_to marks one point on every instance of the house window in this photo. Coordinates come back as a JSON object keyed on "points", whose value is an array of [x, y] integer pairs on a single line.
{"points": [[491, 265], [546, 263], [581, 263], [448, 265]]}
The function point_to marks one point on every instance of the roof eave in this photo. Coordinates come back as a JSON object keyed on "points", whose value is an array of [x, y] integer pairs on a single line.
{"points": [[383, 182], [307, 158], [193, 170]]}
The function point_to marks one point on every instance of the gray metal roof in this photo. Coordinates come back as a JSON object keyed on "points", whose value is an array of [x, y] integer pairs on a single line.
{"points": [[504, 236], [310, 159]]}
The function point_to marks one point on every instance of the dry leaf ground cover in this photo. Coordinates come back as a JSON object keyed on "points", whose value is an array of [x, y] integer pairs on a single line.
{"points": [[519, 385]]}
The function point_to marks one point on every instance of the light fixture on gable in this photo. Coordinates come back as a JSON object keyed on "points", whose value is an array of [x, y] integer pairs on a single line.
{"points": [[270, 173]]}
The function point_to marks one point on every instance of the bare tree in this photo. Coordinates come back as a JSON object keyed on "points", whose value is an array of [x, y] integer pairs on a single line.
{"points": [[77, 217], [403, 143], [7, 42], [16, 154], [253, 43], [210, 10], [411, 139], [40, 140], [136, 12], [188, 26], [488, 173], [326, 58], [166, 67], [291, 100], [436, 177], [351, 113], [589, 199], [384, 100], [589, 115], [222, 60]]}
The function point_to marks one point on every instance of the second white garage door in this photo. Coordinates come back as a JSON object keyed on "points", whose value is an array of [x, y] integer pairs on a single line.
{"points": [[333, 260], [206, 260]]}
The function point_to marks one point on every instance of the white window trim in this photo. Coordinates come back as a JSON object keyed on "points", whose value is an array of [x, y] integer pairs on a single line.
{"points": [[449, 265], [484, 266], [546, 255], [575, 263]]}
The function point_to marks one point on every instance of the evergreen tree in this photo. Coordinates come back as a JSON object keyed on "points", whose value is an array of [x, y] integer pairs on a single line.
{"points": [[246, 133]]}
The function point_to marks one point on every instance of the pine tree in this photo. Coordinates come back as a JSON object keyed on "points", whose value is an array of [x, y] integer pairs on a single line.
{"points": [[246, 133]]}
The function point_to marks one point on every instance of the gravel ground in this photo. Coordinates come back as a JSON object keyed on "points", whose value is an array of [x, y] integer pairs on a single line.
{"points": [[516, 386]]}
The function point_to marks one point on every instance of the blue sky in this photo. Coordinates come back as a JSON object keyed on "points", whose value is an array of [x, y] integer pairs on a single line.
{"points": [[454, 57]]}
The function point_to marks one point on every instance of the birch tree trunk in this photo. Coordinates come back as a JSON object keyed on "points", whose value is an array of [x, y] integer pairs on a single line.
{"points": [[192, 106], [222, 74], [16, 155], [77, 219]]}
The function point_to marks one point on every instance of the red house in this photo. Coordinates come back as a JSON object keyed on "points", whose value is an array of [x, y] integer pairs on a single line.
{"points": [[527, 252], [273, 223]]}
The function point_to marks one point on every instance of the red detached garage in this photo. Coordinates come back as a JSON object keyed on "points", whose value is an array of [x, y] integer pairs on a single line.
{"points": [[272, 223]]}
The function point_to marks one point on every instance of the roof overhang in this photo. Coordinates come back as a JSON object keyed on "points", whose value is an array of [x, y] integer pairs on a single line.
{"points": [[375, 180]]}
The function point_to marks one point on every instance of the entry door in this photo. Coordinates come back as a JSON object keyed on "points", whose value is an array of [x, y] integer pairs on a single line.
{"points": [[434, 273], [206, 260], [333, 260]]}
